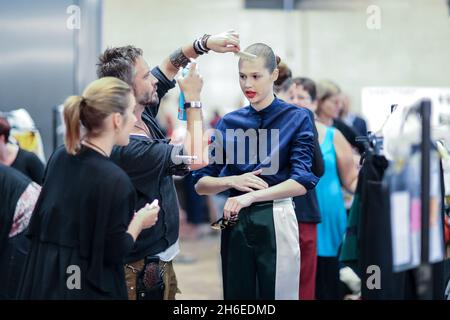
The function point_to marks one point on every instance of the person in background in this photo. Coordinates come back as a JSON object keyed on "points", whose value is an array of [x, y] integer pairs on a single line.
{"points": [[215, 119], [283, 84], [84, 223], [18, 196], [334, 120], [12, 155], [302, 93], [340, 170], [351, 119]]}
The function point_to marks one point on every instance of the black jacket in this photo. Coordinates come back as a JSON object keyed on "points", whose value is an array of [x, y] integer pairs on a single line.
{"points": [[306, 206], [147, 161], [79, 227]]}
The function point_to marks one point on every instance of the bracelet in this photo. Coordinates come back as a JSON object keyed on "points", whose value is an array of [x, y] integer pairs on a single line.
{"points": [[193, 104], [196, 47], [205, 41], [178, 59], [200, 46]]}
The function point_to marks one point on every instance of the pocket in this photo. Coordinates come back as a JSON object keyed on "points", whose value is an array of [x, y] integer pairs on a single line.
{"points": [[149, 281], [286, 211]]}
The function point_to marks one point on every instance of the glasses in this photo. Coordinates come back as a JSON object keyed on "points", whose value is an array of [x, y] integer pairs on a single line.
{"points": [[224, 223]]}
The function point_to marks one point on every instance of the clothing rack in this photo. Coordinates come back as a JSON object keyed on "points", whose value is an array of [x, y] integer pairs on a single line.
{"points": [[374, 144], [371, 141], [424, 271]]}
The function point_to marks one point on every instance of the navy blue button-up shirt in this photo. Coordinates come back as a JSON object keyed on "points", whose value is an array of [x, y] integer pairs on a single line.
{"points": [[279, 139]]}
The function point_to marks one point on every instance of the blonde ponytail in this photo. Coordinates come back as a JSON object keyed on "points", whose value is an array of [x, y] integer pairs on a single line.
{"points": [[72, 110], [101, 98]]}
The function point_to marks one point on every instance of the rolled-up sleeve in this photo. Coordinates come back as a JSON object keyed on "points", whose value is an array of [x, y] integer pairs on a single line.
{"points": [[302, 152], [164, 84], [212, 170]]}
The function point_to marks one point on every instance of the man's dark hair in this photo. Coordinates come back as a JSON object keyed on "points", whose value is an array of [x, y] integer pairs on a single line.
{"points": [[308, 85], [118, 62]]}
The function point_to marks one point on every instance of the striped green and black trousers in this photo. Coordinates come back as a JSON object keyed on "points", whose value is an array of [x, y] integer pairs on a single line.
{"points": [[261, 253]]}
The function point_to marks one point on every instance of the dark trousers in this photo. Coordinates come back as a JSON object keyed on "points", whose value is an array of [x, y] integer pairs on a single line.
{"points": [[327, 279], [249, 257], [260, 253]]}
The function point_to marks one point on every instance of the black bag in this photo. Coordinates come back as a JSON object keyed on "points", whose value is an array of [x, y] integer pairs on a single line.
{"points": [[149, 281]]}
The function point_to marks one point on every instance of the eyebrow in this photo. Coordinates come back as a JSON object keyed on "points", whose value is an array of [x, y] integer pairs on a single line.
{"points": [[253, 73], [147, 74]]}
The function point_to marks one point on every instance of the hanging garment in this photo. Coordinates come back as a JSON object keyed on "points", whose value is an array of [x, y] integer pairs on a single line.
{"points": [[374, 240], [375, 245], [24, 130], [350, 250]]}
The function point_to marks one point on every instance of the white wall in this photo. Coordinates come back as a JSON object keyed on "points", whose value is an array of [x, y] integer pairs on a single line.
{"points": [[412, 48]]}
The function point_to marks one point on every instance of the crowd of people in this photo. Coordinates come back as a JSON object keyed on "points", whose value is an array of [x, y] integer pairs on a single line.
{"points": [[102, 221]]}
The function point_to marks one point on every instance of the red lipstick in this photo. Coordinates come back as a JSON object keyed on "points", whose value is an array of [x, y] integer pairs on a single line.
{"points": [[250, 94]]}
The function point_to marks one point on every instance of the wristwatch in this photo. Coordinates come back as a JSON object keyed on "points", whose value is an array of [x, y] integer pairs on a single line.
{"points": [[193, 104]]}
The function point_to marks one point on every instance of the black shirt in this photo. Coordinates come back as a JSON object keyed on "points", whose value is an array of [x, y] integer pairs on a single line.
{"points": [[148, 164], [12, 184], [12, 250], [306, 206], [29, 164], [147, 161], [80, 219]]}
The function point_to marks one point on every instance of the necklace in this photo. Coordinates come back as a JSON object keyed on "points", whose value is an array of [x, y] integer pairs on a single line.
{"points": [[145, 129], [87, 142]]}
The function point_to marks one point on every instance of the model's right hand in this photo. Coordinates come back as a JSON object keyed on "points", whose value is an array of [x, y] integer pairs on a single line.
{"points": [[191, 84], [248, 182], [148, 215]]}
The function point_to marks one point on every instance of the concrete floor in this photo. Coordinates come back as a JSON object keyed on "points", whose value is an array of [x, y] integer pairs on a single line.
{"points": [[198, 268]]}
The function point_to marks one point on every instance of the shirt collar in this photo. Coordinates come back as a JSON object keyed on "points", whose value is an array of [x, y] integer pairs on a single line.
{"points": [[267, 109]]}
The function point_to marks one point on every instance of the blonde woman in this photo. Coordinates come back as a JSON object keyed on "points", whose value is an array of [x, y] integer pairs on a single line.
{"points": [[80, 231], [340, 171]]}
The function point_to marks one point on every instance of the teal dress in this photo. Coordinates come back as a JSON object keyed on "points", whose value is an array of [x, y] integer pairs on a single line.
{"points": [[330, 232]]}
